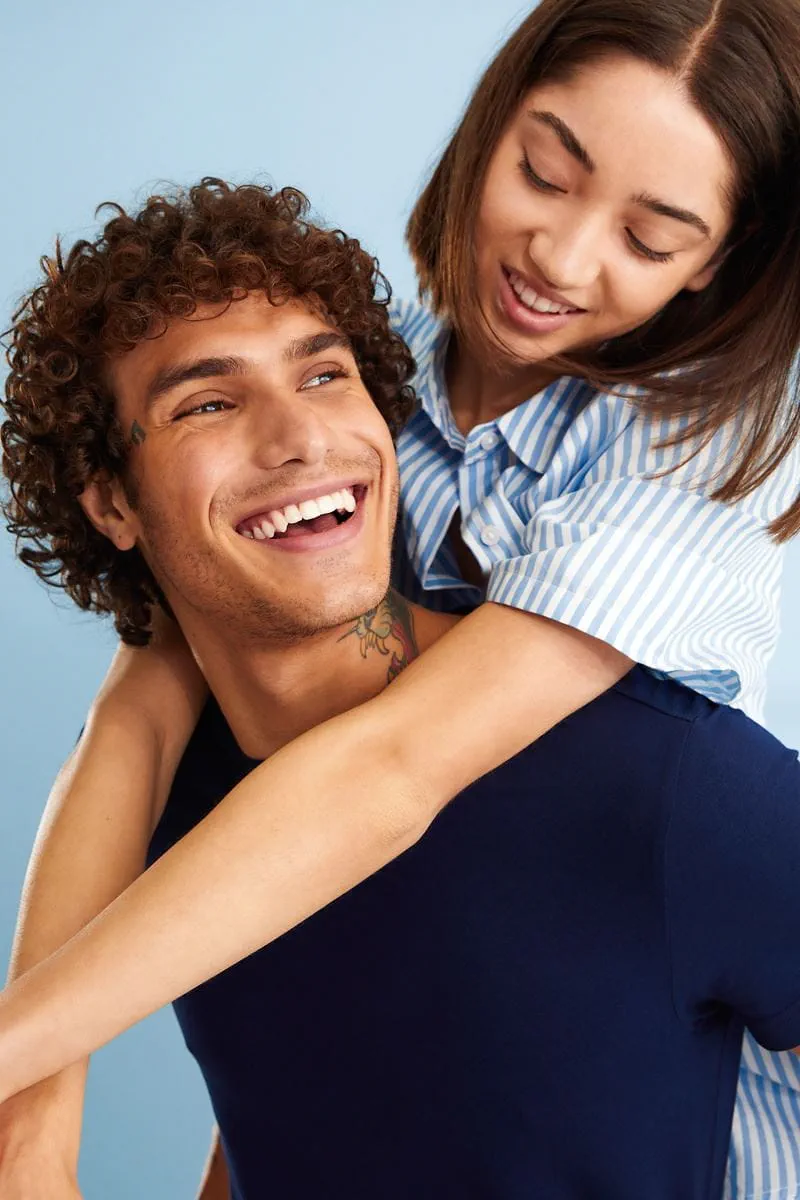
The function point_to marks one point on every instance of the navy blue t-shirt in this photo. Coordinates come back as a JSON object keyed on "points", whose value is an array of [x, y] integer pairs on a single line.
{"points": [[544, 998]]}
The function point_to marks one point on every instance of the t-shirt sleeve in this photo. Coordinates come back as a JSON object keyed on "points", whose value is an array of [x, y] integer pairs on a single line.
{"points": [[640, 555], [732, 879]]}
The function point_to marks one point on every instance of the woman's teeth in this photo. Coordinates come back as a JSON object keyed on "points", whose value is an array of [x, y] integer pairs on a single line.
{"points": [[279, 520], [531, 299]]}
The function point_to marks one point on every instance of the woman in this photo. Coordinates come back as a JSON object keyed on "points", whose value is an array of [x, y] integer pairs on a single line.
{"points": [[607, 213]]}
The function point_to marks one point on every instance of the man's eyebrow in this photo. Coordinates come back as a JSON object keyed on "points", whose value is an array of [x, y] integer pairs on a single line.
{"points": [[306, 347], [567, 138], [226, 365], [200, 368], [662, 209]]}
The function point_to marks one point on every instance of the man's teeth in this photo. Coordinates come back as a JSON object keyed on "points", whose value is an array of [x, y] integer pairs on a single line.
{"points": [[532, 299], [279, 520]]}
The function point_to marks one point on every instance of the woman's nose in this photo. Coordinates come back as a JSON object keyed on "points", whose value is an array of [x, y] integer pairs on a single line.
{"points": [[568, 255]]}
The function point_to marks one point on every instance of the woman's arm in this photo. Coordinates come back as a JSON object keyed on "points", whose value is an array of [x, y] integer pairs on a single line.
{"points": [[318, 817], [91, 844]]}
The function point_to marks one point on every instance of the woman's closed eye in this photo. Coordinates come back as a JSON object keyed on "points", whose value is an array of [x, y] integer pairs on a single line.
{"points": [[645, 251], [533, 177], [637, 245]]}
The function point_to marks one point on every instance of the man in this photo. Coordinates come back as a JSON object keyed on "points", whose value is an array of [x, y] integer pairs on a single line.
{"points": [[600, 917]]}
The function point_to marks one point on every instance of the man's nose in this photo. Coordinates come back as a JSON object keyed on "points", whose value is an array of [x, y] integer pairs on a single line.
{"points": [[569, 253], [288, 429]]}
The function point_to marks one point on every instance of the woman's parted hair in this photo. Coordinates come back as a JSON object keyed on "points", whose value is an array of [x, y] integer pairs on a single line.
{"points": [[211, 243], [726, 352]]}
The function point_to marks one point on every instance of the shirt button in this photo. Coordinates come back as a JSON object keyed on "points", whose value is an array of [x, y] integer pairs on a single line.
{"points": [[490, 536], [488, 440]]}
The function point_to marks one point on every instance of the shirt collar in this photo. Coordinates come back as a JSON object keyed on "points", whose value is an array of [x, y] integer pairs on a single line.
{"points": [[430, 384], [532, 431]]}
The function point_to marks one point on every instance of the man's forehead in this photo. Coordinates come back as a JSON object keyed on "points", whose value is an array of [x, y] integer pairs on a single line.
{"points": [[224, 332]]}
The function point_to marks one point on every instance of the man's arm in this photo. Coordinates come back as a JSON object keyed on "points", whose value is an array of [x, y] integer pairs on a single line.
{"points": [[91, 844], [215, 1184]]}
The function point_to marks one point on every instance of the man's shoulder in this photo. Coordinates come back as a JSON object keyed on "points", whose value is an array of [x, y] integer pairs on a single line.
{"points": [[664, 697], [722, 744]]}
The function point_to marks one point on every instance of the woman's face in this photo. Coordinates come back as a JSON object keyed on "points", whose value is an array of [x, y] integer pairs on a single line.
{"points": [[606, 196]]}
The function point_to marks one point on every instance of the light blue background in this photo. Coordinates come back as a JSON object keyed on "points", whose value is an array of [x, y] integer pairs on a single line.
{"points": [[351, 102]]}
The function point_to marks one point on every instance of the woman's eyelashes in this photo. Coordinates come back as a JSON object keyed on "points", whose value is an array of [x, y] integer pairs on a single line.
{"points": [[542, 185], [637, 245], [215, 404], [659, 256]]}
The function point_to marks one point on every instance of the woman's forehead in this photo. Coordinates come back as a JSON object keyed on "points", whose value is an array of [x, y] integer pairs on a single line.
{"points": [[634, 126]]}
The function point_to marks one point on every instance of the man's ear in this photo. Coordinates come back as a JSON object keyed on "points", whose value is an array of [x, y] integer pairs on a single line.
{"points": [[106, 505]]}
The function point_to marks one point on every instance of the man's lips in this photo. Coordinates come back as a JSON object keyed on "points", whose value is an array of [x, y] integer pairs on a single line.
{"points": [[308, 518], [335, 489], [326, 532]]}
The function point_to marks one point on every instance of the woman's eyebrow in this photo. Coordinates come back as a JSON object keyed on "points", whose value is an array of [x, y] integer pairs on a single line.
{"points": [[663, 209], [569, 140], [566, 136]]}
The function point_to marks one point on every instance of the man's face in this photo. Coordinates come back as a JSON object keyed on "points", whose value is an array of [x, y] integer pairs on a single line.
{"points": [[243, 421]]}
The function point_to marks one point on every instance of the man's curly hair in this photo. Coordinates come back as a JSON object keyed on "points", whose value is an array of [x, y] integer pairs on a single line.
{"points": [[211, 243]]}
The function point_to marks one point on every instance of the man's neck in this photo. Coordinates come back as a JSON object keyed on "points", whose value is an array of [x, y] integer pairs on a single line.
{"points": [[271, 694]]}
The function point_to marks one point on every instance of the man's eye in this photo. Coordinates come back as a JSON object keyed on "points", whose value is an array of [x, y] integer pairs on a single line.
{"points": [[207, 406], [322, 377]]}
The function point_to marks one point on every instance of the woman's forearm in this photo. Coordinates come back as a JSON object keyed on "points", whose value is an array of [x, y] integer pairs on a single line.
{"points": [[92, 843], [253, 867], [90, 846], [320, 816], [104, 805]]}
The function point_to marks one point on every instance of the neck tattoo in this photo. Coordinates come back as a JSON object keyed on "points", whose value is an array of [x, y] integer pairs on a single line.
{"points": [[389, 630]]}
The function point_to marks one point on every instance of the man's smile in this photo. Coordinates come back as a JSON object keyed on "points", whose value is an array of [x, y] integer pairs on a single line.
{"points": [[310, 517]]}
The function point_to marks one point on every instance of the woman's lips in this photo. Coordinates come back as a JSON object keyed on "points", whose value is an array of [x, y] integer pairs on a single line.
{"points": [[527, 319]]}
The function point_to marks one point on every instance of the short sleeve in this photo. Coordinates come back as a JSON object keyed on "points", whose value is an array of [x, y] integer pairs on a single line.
{"points": [[732, 880], [638, 554]]}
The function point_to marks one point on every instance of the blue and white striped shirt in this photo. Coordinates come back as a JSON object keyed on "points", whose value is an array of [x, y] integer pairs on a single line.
{"points": [[564, 503]]}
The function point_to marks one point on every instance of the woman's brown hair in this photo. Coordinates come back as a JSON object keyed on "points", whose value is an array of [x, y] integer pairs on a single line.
{"points": [[212, 243], [730, 350]]}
